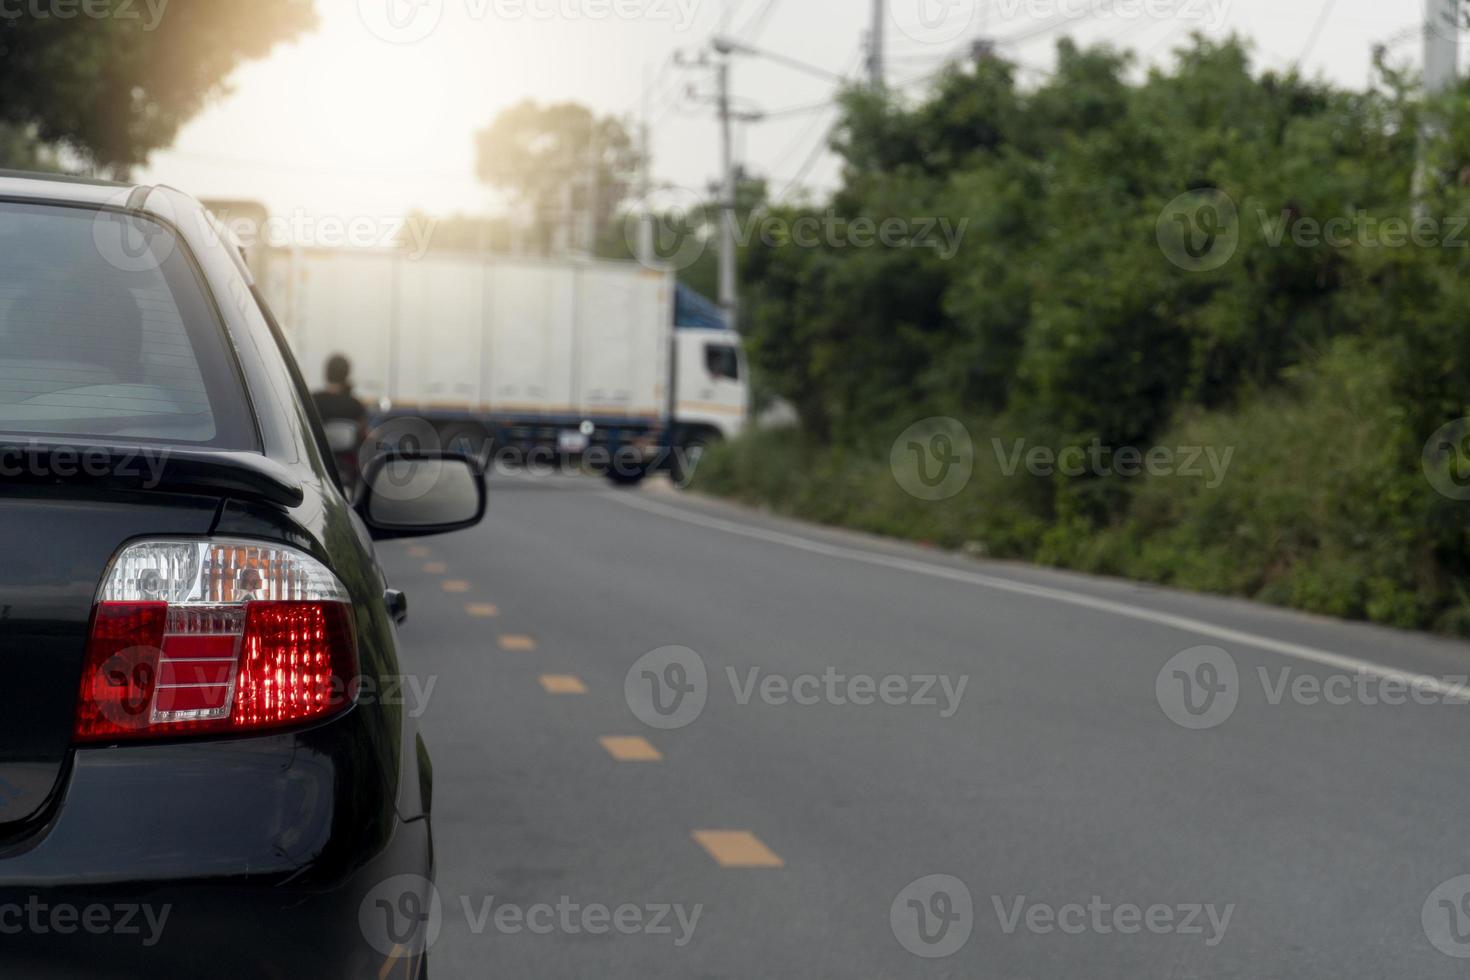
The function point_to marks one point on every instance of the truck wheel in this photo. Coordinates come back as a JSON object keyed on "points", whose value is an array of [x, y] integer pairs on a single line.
{"points": [[686, 460]]}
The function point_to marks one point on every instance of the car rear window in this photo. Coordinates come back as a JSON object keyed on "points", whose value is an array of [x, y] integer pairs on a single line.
{"points": [[105, 332]]}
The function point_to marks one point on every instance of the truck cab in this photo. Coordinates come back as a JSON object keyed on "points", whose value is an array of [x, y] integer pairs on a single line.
{"points": [[711, 385]]}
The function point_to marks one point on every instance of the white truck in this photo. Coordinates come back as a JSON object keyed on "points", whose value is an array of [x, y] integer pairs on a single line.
{"points": [[610, 362]]}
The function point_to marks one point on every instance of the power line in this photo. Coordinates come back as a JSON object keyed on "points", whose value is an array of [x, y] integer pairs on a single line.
{"points": [[790, 151], [751, 30], [1326, 11], [796, 110], [727, 13], [811, 161], [1061, 21]]}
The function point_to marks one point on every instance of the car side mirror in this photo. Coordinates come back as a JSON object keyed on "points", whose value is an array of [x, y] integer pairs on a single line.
{"points": [[416, 494]]}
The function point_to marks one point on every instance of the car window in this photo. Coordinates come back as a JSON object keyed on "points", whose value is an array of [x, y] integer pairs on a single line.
{"points": [[722, 361], [95, 344]]}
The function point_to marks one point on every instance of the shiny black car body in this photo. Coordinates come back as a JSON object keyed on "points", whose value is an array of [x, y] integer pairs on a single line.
{"points": [[269, 850]]}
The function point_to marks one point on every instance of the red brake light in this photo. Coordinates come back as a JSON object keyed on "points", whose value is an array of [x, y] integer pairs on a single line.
{"points": [[214, 638]]}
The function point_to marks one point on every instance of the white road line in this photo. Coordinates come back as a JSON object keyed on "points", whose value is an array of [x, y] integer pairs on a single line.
{"points": [[1188, 624]]}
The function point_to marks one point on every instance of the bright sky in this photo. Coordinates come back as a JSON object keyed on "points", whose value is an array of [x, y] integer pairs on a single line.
{"points": [[375, 112]]}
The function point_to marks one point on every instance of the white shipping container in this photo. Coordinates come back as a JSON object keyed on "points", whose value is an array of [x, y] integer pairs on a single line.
{"points": [[497, 336]]}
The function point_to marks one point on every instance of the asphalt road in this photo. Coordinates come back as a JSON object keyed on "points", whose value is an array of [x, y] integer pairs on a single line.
{"points": [[1081, 830]]}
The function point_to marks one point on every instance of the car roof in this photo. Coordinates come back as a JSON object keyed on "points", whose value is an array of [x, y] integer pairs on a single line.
{"points": [[59, 187]]}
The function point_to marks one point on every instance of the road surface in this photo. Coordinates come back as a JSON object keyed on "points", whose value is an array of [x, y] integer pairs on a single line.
{"points": [[1046, 775]]}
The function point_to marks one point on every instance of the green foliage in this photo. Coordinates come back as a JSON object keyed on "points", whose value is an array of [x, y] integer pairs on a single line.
{"points": [[1323, 507], [113, 88], [1323, 365], [20, 150], [558, 161]]}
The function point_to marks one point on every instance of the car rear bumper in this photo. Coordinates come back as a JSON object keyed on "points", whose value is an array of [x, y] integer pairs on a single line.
{"points": [[235, 858]]}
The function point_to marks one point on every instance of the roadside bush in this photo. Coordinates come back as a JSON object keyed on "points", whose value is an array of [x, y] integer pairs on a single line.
{"points": [[1063, 317], [1322, 506]]}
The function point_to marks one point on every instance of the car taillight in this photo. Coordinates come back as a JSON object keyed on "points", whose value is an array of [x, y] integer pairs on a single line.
{"points": [[214, 637]]}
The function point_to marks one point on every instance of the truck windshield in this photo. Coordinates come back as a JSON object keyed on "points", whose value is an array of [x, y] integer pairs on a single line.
{"points": [[105, 332]]}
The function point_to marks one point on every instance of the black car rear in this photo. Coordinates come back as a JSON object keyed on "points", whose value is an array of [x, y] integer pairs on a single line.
{"points": [[192, 780]]}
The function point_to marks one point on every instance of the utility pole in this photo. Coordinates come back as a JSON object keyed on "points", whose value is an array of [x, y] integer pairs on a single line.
{"points": [[594, 187], [1441, 44], [729, 287], [1441, 68], [875, 46], [645, 182]]}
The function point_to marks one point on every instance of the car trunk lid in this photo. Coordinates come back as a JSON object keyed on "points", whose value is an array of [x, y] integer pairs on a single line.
{"points": [[60, 540]]}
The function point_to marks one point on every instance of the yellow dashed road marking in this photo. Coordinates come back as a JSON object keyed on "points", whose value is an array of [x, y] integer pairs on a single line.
{"points": [[418, 551], [454, 585], [435, 568], [562, 684], [391, 961], [515, 641], [630, 748], [737, 849], [483, 610]]}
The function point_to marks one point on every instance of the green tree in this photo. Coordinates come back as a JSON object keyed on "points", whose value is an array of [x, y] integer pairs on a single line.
{"points": [[559, 161], [113, 88]]}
